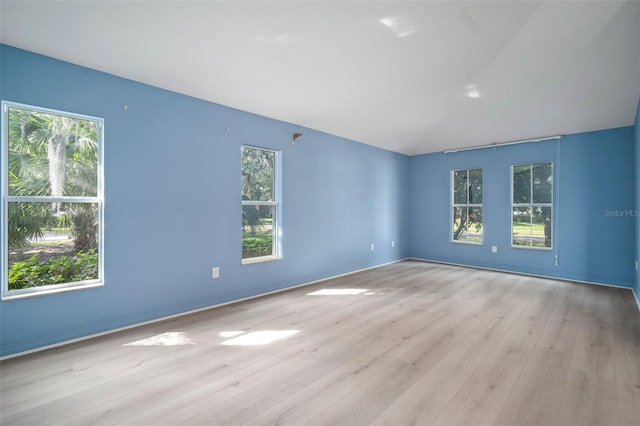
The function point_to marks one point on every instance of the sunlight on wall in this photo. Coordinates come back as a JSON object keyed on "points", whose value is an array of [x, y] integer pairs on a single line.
{"points": [[165, 339]]}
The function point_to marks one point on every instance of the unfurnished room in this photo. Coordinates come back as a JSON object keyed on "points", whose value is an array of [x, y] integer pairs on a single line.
{"points": [[319, 212]]}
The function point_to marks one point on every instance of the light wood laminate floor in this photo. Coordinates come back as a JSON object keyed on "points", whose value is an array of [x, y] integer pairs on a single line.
{"points": [[424, 344]]}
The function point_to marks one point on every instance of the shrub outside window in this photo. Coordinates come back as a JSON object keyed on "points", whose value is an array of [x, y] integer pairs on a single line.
{"points": [[532, 206], [466, 188], [260, 208], [51, 200]]}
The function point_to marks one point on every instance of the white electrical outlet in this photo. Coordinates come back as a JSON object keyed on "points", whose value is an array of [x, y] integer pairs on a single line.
{"points": [[373, 247], [215, 272], [636, 265], [393, 243], [494, 249]]}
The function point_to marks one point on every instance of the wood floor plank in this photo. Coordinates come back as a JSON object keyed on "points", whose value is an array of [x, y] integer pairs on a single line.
{"points": [[537, 394], [356, 336], [425, 344], [425, 399], [589, 399]]}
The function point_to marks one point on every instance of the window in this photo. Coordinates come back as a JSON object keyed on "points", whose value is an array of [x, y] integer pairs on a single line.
{"points": [[260, 211], [51, 200], [532, 208], [466, 188]]}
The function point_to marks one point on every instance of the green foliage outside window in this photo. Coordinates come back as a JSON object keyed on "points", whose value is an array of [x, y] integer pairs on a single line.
{"points": [[532, 188], [467, 205], [52, 159], [65, 269], [259, 207]]}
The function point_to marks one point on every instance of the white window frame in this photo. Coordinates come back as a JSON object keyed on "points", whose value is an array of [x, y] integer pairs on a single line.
{"points": [[276, 250], [465, 205], [532, 205], [6, 199]]}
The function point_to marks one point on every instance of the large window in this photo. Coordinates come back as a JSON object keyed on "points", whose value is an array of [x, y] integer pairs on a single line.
{"points": [[466, 188], [51, 200], [260, 211], [532, 208]]}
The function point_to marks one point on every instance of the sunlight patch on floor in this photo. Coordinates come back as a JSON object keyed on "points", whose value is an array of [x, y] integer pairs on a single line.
{"points": [[338, 292], [263, 337], [178, 338], [230, 333]]}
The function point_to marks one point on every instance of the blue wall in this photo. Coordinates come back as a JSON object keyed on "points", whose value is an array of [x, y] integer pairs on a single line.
{"points": [[593, 174], [172, 203], [172, 185]]}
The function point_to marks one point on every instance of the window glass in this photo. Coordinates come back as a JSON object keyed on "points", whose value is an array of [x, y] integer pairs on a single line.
{"points": [[521, 184], [532, 208], [259, 203], [460, 192], [258, 174], [467, 205], [53, 199], [542, 183], [475, 186]]}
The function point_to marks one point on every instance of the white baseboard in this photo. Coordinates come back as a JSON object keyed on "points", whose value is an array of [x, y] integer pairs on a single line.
{"points": [[548, 277], [637, 296], [193, 311]]}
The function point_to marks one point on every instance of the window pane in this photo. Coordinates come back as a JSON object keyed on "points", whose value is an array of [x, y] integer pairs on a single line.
{"points": [[467, 224], [52, 155], [474, 231], [459, 221], [52, 243], [542, 183], [467, 220], [521, 226], [541, 228], [475, 186], [460, 187], [258, 231], [521, 184], [258, 174]]}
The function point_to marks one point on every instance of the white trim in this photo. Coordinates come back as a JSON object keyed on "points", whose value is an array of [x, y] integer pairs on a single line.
{"points": [[258, 203], [48, 199], [260, 259], [637, 297], [497, 144], [473, 243], [10, 104], [193, 311], [528, 247], [527, 274], [25, 293]]}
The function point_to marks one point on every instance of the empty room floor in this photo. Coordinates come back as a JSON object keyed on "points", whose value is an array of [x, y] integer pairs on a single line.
{"points": [[406, 343]]}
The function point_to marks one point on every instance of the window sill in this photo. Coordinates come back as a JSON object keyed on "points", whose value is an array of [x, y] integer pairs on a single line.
{"points": [[473, 243], [260, 259], [519, 247], [35, 292]]}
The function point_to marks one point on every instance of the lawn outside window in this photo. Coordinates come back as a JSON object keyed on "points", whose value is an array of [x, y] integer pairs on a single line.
{"points": [[260, 205], [466, 206], [52, 201]]}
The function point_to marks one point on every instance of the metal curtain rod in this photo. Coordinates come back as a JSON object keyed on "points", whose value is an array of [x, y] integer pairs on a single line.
{"points": [[494, 145]]}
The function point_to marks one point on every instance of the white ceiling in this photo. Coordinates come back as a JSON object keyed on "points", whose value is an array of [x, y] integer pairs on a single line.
{"points": [[391, 74]]}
